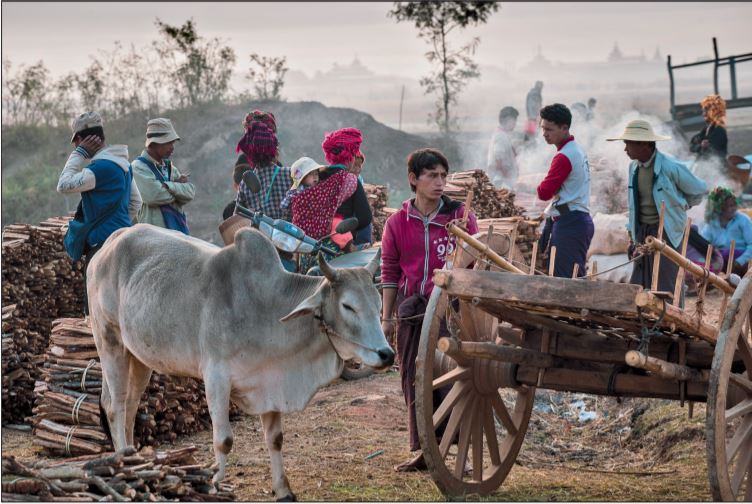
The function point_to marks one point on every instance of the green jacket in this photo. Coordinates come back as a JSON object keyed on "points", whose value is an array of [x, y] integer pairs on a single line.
{"points": [[154, 194]]}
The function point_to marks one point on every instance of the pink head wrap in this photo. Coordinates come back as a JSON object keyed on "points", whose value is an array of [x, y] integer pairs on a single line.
{"points": [[341, 146], [258, 140], [259, 115]]}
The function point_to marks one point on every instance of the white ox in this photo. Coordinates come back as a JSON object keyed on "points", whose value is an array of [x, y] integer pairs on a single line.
{"points": [[265, 338]]}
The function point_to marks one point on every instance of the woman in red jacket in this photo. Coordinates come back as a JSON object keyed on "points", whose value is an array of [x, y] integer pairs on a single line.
{"points": [[414, 244]]}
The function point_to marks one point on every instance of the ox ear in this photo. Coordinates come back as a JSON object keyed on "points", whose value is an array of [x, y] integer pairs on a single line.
{"points": [[373, 264], [308, 305]]}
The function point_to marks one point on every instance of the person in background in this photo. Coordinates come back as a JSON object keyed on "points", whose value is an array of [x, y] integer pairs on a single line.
{"points": [[260, 146], [724, 223], [533, 104], [342, 152], [164, 189], [502, 157], [712, 140], [655, 179], [100, 173], [569, 226], [591, 108], [241, 166], [415, 243]]}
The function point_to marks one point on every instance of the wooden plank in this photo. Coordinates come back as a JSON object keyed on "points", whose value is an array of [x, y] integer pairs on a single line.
{"points": [[539, 290]]}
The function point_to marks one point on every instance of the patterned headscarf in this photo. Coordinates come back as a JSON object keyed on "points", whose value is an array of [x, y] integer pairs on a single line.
{"points": [[716, 107], [258, 141], [716, 200], [261, 116], [341, 146]]}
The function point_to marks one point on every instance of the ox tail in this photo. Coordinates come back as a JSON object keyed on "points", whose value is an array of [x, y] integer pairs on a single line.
{"points": [[103, 421]]}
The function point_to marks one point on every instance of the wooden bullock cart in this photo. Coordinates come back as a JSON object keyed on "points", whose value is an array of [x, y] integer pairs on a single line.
{"points": [[494, 333]]}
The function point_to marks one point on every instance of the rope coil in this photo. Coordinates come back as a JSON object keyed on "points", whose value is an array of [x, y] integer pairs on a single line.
{"points": [[68, 439], [77, 408], [91, 364]]}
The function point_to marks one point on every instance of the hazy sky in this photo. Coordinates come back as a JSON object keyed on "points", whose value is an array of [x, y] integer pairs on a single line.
{"points": [[314, 35]]}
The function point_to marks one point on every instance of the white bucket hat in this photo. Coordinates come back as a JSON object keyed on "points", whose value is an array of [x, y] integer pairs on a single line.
{"points": [[301, 168], [639, 130], [85, 121], [161, 131]]}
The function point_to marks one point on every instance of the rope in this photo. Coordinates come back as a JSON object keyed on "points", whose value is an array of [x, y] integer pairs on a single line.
{"points": [[91, 364], [647, 333], [77, 408], [69, 438]]}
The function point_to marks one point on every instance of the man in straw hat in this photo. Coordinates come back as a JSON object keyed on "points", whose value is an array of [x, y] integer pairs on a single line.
{"points": [[164, 189], [655, 179], [101, 174], [569, 226]]}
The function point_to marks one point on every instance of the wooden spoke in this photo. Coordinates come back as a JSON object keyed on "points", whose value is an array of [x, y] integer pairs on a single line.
{"points": [[741, 381], [477, 440], [489, 427], [503, 414], [454, 395], [458, 373], [454, 424], [742, 468], [464, 443], [742, 437], [741, 409]]}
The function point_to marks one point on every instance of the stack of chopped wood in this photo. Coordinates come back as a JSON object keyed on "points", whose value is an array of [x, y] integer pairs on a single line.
{"points": [[488, 202], [40, 283], [126, 475], [66, 416], [524, 232], [377, 198]]}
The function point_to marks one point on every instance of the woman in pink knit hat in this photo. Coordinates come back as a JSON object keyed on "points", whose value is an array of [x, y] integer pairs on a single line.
{"points": [[342, 152]]}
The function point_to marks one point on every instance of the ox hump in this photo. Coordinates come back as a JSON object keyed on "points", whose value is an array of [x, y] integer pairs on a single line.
{"points": [[255, 251]]}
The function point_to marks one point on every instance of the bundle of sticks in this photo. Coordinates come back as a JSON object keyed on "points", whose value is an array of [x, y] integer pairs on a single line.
{"points": [[39, 284], [523, 232], [377, 198], [66, 416], [127, 475], [488, 202]]}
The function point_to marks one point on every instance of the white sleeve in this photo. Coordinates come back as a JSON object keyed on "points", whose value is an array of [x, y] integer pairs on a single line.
{"points": [[76, 177], [135, 203]]}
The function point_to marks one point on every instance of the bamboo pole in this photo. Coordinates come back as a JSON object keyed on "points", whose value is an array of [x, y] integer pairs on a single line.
{"points": [[483, 248], [674, 315], [680, 275], [657, 257], [665, 369], [683, 262]]}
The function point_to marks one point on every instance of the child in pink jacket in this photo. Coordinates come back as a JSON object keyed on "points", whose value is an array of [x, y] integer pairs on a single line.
{"points": [[415, 242]]}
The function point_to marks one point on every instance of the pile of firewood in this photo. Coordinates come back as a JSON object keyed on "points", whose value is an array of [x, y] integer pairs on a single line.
{"points": [[377, 198], [488, 202], [66, 416], [523, 232], [39, 284], [126, 475]]}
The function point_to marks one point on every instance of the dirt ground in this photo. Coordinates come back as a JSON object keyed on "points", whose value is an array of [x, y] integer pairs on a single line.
{"points": [[578, 447]]}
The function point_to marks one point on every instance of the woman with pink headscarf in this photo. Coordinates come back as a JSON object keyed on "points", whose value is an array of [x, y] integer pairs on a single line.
{"points": [[342, 152]]}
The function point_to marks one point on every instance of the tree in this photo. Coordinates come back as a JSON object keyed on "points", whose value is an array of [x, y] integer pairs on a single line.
{"points": [[269, 78], [199, 69], [452, 68], [26, 96]]}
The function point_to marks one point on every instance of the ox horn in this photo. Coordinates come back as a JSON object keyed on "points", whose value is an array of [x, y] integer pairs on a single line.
{"points": [[330, 273], [373, 264]]}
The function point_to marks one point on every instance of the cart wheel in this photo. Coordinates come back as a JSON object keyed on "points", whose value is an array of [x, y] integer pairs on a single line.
{"points": [[729, 417], [485, 408]]}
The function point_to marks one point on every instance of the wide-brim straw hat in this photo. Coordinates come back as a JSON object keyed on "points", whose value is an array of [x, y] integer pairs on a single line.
{"points": [[639, 130], [161, 131]]}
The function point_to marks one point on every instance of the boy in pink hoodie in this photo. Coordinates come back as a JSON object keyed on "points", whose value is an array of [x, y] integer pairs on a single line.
{"points": [[415, 242]]}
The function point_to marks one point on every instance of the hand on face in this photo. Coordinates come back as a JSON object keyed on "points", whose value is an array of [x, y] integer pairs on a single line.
{"points": [[92, 144]]}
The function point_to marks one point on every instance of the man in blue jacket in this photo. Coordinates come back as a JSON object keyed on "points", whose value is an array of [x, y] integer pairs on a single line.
{"points": [[100, 173], [654, 179]]}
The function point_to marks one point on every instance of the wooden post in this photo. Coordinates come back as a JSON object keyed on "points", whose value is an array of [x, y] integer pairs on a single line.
{"points": [[680, 275], [729, 267], [657, 256], [594, 270], [699, 306], [575, 270], [458, 244], [534, 259], [683, 262], [552, 261]]}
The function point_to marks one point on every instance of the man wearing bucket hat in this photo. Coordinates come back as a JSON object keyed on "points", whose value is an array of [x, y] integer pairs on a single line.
{"points": [[655, 179], [163, 188], [102, 175]]}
